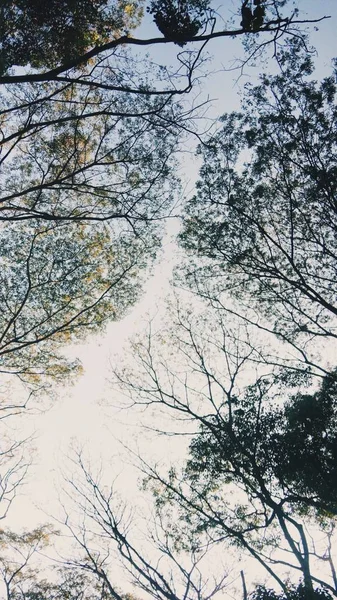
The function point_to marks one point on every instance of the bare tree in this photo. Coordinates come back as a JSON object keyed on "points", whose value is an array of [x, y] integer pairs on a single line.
{"points": [[107, 534]]}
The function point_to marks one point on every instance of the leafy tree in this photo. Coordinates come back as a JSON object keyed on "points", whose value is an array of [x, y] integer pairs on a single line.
{"points": [[17, 552], [87, 176], [23, 565], [58, 282], [305, 448], [62, 41], [69, 584], [293, 446], [43, 34], [86, 180], [179, 21], [15, 459], [261, 470], [293, 593], [85, 184], [86, 155], [264, 216]]}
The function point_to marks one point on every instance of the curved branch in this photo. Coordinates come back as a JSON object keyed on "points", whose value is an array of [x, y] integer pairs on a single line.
{"points": [[53, 74]]}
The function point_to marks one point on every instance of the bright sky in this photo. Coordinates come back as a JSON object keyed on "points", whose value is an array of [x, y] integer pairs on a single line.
{"points": [[81, 414]]}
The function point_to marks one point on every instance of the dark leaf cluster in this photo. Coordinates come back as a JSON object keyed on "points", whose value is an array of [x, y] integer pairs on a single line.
{"points": [[292, 450], [293, 593], [39, 33], [178, 20]]}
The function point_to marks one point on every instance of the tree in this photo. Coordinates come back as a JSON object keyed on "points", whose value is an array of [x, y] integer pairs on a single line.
{"points": [[86, 181], [69, 584], [293, 593], [59, 282], [38, 35], [45, 39], [62, 282], [179, 21], [86, 155], [266, 228], [88, 143], [83, 197], [84, 192], [303, 451], [105, 533], [17, 551], [15, 460], [81, 154], [260, 472], [22, 565], [294, 445]]}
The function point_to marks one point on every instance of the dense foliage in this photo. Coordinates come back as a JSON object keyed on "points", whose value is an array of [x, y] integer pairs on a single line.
{"points": [[86, 178], [58, 40], [261, 471], [293, 593], [288, 451], [179, 21], [40, 34], [264, 216]]}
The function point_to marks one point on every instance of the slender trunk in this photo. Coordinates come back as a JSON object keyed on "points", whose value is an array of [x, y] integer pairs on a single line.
{"points": [[244, 587]]}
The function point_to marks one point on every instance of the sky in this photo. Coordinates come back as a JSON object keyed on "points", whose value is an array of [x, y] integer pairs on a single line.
{"points": [[86, 414]]}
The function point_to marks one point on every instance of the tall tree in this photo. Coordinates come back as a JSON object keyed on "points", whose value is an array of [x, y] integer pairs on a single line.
{"points": [[293, 593], [62, 40], [42, 35], [87, 178], [107, 540], [260, 474], [70, 154], [17, 552], [22, 570], [264, 217]]}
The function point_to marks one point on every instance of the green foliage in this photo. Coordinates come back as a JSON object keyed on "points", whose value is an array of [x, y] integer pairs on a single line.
{"points": [[264, 218], [43, 34], [70, 584], [260, 475], [88, 155], [179, 20], [22, 569], [86, 179], [292, 449], [17, 552], [59, 282], [85, 184], [306, 458], [292, 593]]}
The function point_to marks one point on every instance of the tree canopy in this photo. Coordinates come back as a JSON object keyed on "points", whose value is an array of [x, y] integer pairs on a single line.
{"points": [[60, 41], [87, 178], [260, 472], [43, 35], [90, 139], [264, 216]]}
